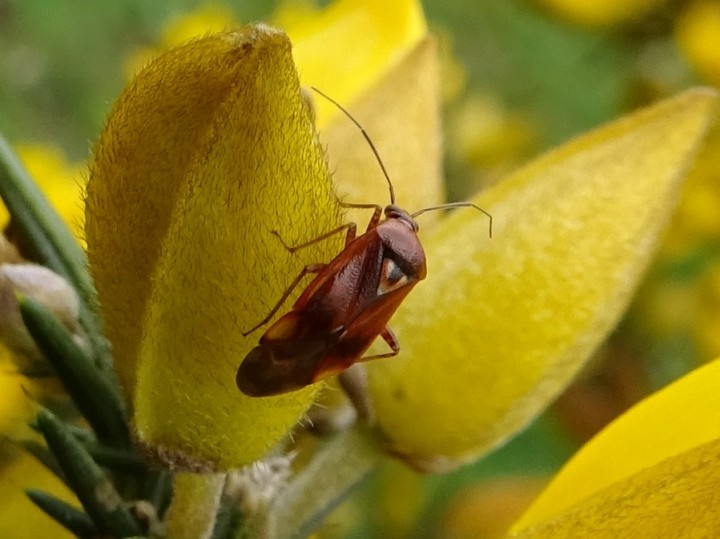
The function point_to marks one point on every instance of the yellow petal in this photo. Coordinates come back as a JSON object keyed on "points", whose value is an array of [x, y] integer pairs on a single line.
{"points": [[401, 114], [651, 473], [345, 48], [209, 150], [503, 324]]}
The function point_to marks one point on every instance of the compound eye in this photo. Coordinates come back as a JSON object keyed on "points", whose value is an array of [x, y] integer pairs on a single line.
{"points": [[392, 277]]}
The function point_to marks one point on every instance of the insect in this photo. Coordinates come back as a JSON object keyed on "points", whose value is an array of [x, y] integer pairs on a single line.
{"points": [[348, 303]]}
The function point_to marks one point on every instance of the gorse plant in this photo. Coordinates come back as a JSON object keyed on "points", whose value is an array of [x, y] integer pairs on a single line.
{"points": [[212, 149]]}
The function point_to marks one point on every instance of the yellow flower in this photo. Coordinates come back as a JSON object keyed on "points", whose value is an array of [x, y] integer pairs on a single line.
{"points": [[507, 323], [212, 149], [189, 212], [247, 153], [651, 473]]}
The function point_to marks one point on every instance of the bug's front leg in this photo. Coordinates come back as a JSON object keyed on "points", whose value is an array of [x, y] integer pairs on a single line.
{"points": [[310, 268], [349, 236], [391, 340], [374, 219]]}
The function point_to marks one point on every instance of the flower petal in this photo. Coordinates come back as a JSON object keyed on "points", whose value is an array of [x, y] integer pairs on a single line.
{"points": [[345, 48], [651, 470], [502, 325], [401, 113], [210, 150]]}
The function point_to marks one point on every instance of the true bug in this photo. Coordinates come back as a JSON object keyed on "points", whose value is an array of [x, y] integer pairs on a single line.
{"points": [[348, 303]]}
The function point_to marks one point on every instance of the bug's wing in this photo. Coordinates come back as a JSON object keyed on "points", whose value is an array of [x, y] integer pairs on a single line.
{"points": [[360, 333], [275, 368], [343, 288]]}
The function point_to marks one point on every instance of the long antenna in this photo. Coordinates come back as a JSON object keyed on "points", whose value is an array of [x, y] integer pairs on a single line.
{"points": [[454, 205], [367, 137]]}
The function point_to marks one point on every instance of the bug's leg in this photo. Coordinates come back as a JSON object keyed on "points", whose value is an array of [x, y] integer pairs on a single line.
{"points": [[310, 268], [377, 213], [351, 229], [354, 382], [390, 338]]}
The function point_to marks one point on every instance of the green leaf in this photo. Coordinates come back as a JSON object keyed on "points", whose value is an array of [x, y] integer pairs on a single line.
{"points": [[66, 515], [118, 460], [94, 395], [87, 480], [49, 240]]}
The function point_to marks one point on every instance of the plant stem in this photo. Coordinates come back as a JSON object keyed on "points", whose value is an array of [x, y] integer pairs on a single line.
{"points": [[339, 466], [194, 506]]}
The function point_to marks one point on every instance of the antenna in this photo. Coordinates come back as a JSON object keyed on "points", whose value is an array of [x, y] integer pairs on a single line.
{"points": [[454, 205], [367, 137]]}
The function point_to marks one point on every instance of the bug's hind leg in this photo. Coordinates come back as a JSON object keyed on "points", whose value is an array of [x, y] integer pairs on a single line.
{"points": [[391, 340], [310, 268]]}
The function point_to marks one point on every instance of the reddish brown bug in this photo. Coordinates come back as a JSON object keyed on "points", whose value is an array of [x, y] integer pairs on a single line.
{"points": [[348, 303]]}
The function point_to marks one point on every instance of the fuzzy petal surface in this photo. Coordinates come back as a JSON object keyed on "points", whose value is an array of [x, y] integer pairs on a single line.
{"points": [[210, 149], [653, 472], [502, 325]]}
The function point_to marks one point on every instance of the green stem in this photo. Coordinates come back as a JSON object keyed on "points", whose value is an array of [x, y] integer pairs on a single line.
{"points": [[339, 466], [194, 506]]}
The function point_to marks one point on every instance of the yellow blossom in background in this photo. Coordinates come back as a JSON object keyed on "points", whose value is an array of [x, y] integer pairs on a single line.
{"points": [[295, 14], [602, 12], [488, 137], [705, 322], [686, 276], [19, 517], [489, 508], [60, 180], [453, 74], [15, 406], [213, 17], [369, 38], [697, 32]]}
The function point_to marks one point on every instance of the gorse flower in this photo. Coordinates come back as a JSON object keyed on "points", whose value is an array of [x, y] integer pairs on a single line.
{"points": [[213, 150]]}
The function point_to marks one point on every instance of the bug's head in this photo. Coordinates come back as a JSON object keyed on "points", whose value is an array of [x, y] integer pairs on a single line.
{"points": [[395, 212]]}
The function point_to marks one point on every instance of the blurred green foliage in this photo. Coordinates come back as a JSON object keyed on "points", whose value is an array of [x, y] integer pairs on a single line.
{"points": [[61, 62]]}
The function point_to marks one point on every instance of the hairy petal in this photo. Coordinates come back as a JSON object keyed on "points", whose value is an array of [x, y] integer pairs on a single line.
{"points": [[210, 149], [503, 324], [653, 472]]}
